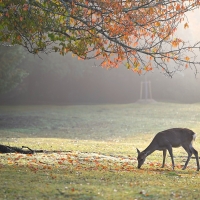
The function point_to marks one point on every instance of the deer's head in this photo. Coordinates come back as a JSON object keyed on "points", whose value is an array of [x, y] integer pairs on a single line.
{"points": [[141, 158]]}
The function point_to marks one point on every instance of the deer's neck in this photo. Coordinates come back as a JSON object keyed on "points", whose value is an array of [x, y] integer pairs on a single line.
{"points": [[151, 148]]}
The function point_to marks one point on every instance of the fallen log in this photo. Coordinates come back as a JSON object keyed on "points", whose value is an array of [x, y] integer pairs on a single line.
{"points": [[26, 150], [23, 150]]}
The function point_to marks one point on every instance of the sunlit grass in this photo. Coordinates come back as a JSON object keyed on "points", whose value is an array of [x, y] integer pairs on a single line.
{"points": [[87, 134]]}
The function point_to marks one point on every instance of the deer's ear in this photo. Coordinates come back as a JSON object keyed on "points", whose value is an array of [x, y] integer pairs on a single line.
{"points": [[138, 150]]}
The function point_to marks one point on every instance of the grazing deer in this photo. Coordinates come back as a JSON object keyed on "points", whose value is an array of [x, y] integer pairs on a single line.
{"points": [[167, 139]]}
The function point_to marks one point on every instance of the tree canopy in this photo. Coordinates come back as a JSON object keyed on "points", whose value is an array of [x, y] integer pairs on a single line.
{"points": [[137, 33]]}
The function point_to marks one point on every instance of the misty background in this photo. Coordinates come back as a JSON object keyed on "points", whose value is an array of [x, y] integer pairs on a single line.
{"points": [[55, 79]]}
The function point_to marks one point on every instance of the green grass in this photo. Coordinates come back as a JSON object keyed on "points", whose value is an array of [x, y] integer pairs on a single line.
{"points": [[100, 158]]}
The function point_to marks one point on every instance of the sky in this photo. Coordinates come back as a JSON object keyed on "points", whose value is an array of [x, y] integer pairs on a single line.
{"points": [[194, 25]]}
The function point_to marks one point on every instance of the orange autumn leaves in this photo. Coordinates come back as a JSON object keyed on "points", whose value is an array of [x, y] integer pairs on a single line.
{"points": [[176, 42], [132, 27], [79, 161], [116, 32]]}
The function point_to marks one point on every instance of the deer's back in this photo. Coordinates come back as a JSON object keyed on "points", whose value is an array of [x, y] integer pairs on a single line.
{"points": [[175, 136]]}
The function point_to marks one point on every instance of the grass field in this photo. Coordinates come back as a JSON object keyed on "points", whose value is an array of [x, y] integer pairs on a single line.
{"points": [[97, 158]]}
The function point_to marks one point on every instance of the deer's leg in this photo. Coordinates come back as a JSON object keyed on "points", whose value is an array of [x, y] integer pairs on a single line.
{"points": [[164, 156], [169, 148], [189, 150], [195, 152]]}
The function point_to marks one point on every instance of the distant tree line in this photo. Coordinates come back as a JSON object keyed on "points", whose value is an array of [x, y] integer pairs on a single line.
{"points": [[11, 74], [66, 80]]}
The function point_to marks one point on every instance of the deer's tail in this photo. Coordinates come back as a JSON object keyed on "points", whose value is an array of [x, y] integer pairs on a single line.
{"points": [[194, 137]]}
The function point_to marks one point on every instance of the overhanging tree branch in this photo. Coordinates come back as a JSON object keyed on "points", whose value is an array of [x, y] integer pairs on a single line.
{"points": [[138, 34]]}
